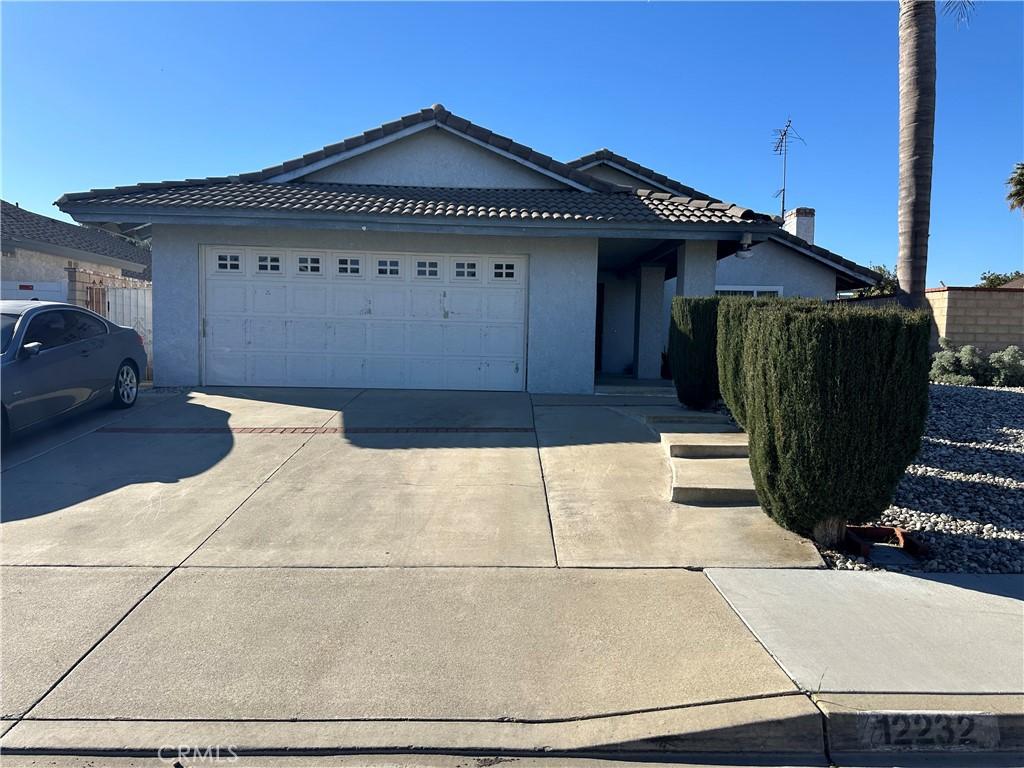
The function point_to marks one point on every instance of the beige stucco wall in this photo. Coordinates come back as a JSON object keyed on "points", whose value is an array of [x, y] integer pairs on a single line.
{"points": [[988, 318]]}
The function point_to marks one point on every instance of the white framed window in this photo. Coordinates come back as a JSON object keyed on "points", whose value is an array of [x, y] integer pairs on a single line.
{"points": [[428, 268], [229, 262], [748, 290], [266, 264], [504, 270], [309, 265], [465, 270], [350, 266], [389, 267]]}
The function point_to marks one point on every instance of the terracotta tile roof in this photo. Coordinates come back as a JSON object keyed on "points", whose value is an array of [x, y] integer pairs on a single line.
{"points": [[19, 225], [623, 206]]}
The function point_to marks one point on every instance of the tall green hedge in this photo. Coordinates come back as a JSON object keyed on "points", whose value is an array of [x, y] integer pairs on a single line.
{"points": [[691, 349], [732, 325], [836, 399]]}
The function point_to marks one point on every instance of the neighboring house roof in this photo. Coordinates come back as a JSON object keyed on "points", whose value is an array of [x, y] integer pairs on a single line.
{"points": [[33, 231], [643, 173], [1018, 283], [518, 205]]}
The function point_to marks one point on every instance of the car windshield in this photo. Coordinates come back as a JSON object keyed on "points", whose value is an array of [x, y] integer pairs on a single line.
{"points": [[7, 330]]}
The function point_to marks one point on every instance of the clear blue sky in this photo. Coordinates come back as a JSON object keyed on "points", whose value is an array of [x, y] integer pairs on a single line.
{"points": [[97, 95]]}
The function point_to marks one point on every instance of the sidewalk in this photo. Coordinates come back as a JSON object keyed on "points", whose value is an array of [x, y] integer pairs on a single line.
{"points": [[520, 661]]}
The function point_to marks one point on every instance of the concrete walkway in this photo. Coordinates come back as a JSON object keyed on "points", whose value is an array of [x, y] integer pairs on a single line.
{"points": [[327, 570]]}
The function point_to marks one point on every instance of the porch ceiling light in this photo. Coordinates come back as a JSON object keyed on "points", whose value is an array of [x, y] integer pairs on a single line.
{"points": [[745, 243]]}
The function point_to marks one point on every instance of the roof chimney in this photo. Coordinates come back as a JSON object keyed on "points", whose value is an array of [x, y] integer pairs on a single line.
{"points": [[800, 222]]}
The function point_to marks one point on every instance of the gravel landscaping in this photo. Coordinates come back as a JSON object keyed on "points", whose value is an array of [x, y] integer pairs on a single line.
{"points": [[964, 493]]}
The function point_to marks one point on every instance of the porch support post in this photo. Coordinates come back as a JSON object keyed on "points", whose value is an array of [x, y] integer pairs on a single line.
{"points": [[696, 261], [650, 332]]}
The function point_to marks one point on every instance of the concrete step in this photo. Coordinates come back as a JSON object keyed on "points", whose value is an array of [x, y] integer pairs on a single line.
{"points": [[712, 482], [657, 414], [695, 428], [696, 445]]}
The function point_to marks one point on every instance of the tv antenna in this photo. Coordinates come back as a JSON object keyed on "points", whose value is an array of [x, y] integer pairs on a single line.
{"points": [[783, 138]]}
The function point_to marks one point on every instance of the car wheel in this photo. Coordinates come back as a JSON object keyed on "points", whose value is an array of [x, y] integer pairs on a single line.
{"points": [[126, 385]]}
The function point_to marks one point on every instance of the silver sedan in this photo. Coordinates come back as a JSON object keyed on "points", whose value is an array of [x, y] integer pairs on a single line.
{"points": [[57, 358]]}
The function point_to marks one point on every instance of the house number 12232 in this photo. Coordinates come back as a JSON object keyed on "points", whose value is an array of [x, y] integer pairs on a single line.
{"points": [[930, 730]]}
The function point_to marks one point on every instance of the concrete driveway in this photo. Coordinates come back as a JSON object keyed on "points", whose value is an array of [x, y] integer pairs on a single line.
{"points": [[293, 567], [358, 478]]}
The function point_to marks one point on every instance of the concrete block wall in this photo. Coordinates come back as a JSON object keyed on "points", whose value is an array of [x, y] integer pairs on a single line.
{"points": [[988, 318]]}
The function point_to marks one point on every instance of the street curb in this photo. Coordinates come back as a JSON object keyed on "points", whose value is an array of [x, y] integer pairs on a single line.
{"points": [[873, 729], [787, 725]]}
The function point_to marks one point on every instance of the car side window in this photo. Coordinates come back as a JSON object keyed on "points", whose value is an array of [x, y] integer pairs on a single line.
{"points": [[47, 328], [59, 327], [82, 326]]}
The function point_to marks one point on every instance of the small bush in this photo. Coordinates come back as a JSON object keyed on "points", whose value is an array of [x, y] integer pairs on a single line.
{"points": [[1007, 367], [966, 365], [836, 399], [691, 349], [946, 365]]}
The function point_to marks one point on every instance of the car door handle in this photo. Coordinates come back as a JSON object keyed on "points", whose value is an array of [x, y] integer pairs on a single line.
{"points": [[84, 353]]}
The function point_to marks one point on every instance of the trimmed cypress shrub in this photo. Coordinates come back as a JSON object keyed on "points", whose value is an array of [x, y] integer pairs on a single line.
{"points": [[732, 324], [691, 349], [733, 312], [836, 399]]}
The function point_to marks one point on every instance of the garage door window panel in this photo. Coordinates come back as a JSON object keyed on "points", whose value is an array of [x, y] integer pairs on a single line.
{"points": [[268, 265], [226, 262], [350, 266], [389, 268], [308, 264], [229, 262], [428, 269], [465, 270], [504, 272]]}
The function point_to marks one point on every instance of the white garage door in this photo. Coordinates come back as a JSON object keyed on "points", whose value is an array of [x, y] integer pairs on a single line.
{"points": [[302, 318]]}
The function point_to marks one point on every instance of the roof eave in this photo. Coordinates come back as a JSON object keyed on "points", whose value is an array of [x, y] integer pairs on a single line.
{"points": [[452, 225], [867, 277]]}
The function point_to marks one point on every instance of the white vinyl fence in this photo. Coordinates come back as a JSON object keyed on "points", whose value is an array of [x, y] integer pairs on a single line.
{"points": [[133, 307]]}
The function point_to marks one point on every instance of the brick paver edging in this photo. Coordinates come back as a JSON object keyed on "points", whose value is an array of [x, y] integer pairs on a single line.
{"points": [[306, 430]]}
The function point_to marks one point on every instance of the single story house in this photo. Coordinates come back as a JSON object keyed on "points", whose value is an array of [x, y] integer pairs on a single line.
{"points": [[48, 259], [428, 252]]}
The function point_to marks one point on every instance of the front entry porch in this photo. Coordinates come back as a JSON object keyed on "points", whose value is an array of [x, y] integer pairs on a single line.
{"points": [[631, 319]]}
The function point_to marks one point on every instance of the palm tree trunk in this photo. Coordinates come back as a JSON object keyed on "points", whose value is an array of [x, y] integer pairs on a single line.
{"points": [[917, 145]]}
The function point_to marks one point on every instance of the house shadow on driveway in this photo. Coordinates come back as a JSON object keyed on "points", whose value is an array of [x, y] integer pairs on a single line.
{"points": [[123, 498]]}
